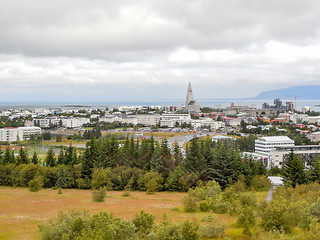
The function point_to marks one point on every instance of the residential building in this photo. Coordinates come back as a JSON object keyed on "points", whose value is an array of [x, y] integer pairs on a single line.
{"points": [[74, 122], [148, 119], [314, 136]]}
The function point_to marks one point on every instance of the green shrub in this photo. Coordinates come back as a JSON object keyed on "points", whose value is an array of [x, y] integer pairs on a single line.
{"points": [[99, 195], [189, 230], [143, 222], [151, 182], [203, 207], [36, 184], [189, 203], [102, 178], [126, 194], [212, 229], [59, 191]]}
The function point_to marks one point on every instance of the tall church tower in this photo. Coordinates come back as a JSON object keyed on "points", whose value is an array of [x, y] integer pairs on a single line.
{"points": [[191, 105]]}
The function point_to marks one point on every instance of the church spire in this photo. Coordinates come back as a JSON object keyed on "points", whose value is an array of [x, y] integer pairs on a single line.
{"points": [[189, 95]]}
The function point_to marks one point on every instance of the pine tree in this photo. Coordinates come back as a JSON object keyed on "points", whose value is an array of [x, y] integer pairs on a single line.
{"points": [[61, 158], [177, 155], [61, 180], [293, 171], [143, 162], [155, 163], [314, 172], [22, 157], [50, 158], [222, 166], [89, 158], [166, 162], [35, 158], [8, 156], [195, 161]]}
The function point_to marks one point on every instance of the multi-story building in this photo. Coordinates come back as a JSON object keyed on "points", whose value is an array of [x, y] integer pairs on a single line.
{"points": [[305, 152], [148, 119], [74, 122], [18, 134], [170, 120], [206, 123], [266, 144], [314, 136], [47, 122]]}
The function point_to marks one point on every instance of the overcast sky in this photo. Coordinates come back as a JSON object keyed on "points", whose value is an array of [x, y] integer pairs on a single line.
{"points": [[101, 50]]}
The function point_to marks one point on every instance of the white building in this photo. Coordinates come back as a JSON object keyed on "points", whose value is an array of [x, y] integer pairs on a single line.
{"points": [[46, 122], [305, 152], [148, 119], [18, 134], [206, 123], [266, 144], [74, 122], [170, 120]]}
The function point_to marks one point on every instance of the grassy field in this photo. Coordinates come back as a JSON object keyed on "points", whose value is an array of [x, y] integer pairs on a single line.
{"points": [[22, 211]]}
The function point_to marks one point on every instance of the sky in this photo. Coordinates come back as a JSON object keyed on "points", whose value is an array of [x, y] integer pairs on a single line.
{"points": [[134, 50]]}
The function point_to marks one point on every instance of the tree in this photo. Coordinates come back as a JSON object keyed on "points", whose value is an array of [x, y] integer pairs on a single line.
{"points": [[22, 157], [35, 158], [50, 158], [8, 156], [221, 169], [61, 157], [314, 172], [61, 180], [293, 171], [195, 161]]}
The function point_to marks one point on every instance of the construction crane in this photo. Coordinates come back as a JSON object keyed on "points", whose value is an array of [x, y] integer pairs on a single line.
{"points": [[295, 100]]}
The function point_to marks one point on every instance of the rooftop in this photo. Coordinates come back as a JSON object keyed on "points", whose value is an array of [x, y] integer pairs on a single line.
{"points": [[275, 138]]}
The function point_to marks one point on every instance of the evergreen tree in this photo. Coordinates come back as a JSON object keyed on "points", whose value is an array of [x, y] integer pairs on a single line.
{"points": [[195, 161], [22, 157], [177, 155], [61, 158], [155, 163], [207, 152], [166, 162], [61, 180], [8, 156], [314, 172], [50, 158], [222, 166], [293, 171], [104, 161], [89, 158], [143, 162], [35, 158]]}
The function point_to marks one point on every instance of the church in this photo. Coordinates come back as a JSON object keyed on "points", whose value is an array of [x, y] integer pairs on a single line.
{"points": [[191, 105]]}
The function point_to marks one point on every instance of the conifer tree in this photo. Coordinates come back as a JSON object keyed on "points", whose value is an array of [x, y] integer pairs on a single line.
{"points": [[22, 157], [222, 166], [61, 180], [8, 156], [314, 172], [166, 162], [61, 158], [177, 155], [195, 161], [35, 158], [50, 158], [293, 171], [155, 163], [89, 158], [143, 162]]}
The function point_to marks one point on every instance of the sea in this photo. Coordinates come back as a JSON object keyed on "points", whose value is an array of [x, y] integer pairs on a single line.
{"points": [[215, 103]]}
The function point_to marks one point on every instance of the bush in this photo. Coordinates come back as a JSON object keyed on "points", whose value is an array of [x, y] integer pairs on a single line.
{"points": [[99, 195], [260, 182], [126, 194], [151, 182], [189, 230], [36, 184], [143, 222], [101, 178], [189, 203], [212, 229]]}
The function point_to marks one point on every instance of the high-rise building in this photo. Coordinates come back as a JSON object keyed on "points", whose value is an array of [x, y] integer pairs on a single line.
{"points": [[191, 105]]}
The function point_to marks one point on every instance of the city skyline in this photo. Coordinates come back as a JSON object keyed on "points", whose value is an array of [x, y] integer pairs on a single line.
{"points": [[142, 50]]}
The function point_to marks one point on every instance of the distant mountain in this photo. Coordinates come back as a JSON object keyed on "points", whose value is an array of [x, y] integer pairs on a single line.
{"points": [[304, 92]]}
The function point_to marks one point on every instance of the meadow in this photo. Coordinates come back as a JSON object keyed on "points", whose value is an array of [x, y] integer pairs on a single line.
{"points": [[21, 211]]}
